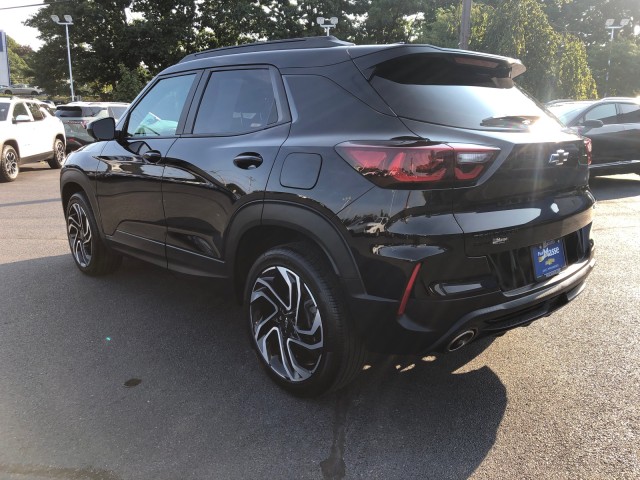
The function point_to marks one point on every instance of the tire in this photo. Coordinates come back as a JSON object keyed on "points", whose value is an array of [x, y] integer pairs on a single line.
{"points": [[59, 154], [7, 92], [89, 252], [9, 164], [311, 349], [34, 93]]}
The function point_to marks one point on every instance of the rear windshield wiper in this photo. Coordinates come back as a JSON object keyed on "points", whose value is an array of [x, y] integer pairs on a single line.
{"points": [[510, 121]]}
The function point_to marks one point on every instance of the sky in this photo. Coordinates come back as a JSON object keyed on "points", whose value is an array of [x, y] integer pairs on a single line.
{"points": [[11, 21]]}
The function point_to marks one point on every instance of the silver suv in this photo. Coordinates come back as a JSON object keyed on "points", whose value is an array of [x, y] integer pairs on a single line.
{"points": [[21, 89], [77, 116]]}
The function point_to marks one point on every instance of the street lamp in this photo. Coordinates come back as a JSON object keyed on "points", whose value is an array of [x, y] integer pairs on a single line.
{"points": [[609, 25], [68, 21], [333, 22]]}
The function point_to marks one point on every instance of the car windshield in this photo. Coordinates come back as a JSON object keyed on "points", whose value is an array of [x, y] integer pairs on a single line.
{"points": [[566, 111], [4, 110]]}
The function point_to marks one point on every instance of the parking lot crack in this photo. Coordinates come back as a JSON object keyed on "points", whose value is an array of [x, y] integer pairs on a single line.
{"points": [[333, 468]]}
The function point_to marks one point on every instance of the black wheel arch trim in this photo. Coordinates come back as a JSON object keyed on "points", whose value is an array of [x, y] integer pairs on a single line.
{"points": [[307, 222]]}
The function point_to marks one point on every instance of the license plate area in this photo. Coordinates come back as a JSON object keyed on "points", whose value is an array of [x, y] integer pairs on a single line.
{"points": [[548, 259]]}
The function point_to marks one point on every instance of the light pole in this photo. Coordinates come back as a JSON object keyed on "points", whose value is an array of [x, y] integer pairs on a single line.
{"points": [[609, 25], [327, 27], [465, 25], [68, 21]]}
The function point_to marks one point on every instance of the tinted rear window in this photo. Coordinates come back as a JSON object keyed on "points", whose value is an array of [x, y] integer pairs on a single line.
{"points": [[78, 111], [477, 94]]}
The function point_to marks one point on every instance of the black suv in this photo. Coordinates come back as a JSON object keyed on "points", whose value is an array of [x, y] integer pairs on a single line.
{"points": [[388, 198]]}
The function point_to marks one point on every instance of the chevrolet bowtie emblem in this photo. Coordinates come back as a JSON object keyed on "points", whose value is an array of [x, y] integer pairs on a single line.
{"points": [[560, 157]]}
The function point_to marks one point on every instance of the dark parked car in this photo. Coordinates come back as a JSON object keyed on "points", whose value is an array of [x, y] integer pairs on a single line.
{"points": [[392, 198], [612, 124]]}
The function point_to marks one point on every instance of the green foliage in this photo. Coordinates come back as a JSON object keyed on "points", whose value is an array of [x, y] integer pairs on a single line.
{"points": [[390, 21], [19, 60], [624, 73], [130, 84], [520, 29], [586, 18], [574, 79], [112, 51], [444, 31]]}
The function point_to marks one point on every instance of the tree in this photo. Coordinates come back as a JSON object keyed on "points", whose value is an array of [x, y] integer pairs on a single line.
{"points": [[390, 21], [520, 29], [574, 78], [20, 58], [444, 31], [624, 73], [586, 18], [166, 32], [130, 84], [100, 40]]}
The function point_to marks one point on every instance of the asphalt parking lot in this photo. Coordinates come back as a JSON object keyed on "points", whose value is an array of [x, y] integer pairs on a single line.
{"points": [[144, 374]]}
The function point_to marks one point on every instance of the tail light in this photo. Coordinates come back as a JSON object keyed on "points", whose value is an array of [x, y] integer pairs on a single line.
{"points": [[589, 149], [397, 165]]}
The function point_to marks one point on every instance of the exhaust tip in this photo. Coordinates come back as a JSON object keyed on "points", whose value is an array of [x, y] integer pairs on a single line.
{"points": [[461, 340]]}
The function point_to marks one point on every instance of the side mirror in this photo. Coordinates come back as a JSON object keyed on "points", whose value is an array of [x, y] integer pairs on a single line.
{"points": [[103, 129], [21, 119], [589, 124]]}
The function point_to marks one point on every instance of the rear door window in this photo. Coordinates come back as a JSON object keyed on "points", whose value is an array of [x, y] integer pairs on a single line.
{"points": [[629, 113], [457, 91], [35, 111], [236, 101], [605, 113]]}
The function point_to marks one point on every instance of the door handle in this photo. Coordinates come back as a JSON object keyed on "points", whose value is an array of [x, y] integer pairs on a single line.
{"points": [[247, 161], [152, 156]]}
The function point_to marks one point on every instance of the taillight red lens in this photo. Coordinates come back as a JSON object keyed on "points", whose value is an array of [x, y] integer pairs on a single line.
{"points": [[589, 148], [392, 165]]}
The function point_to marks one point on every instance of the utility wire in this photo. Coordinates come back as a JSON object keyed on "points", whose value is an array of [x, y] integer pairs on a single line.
{"points": [[43, 4]]}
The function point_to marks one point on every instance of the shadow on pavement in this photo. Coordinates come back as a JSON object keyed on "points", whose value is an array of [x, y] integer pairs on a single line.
{"points": [[145, 374], [615, 187]]}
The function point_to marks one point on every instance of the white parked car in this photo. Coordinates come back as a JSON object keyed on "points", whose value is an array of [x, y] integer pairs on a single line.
{"points": [[28, 134]]}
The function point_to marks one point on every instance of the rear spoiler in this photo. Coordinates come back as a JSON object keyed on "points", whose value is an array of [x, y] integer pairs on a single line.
{"points": [[367, 60]]}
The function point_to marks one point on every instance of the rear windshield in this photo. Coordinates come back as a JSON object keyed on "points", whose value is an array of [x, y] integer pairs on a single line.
{"points": [[458, 92], [4, 111], [78, 111]]}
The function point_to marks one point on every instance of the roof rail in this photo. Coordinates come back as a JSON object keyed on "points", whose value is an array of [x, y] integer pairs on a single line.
{"points": [[293, 43]]}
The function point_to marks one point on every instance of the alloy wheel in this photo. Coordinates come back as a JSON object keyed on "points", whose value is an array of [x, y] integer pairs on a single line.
{"points": [[11, 164], [286, 324], [59, 152], [79, 232]]}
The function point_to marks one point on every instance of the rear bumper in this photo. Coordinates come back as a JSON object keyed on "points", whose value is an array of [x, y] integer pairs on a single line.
{"points": [[429, 325]]}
